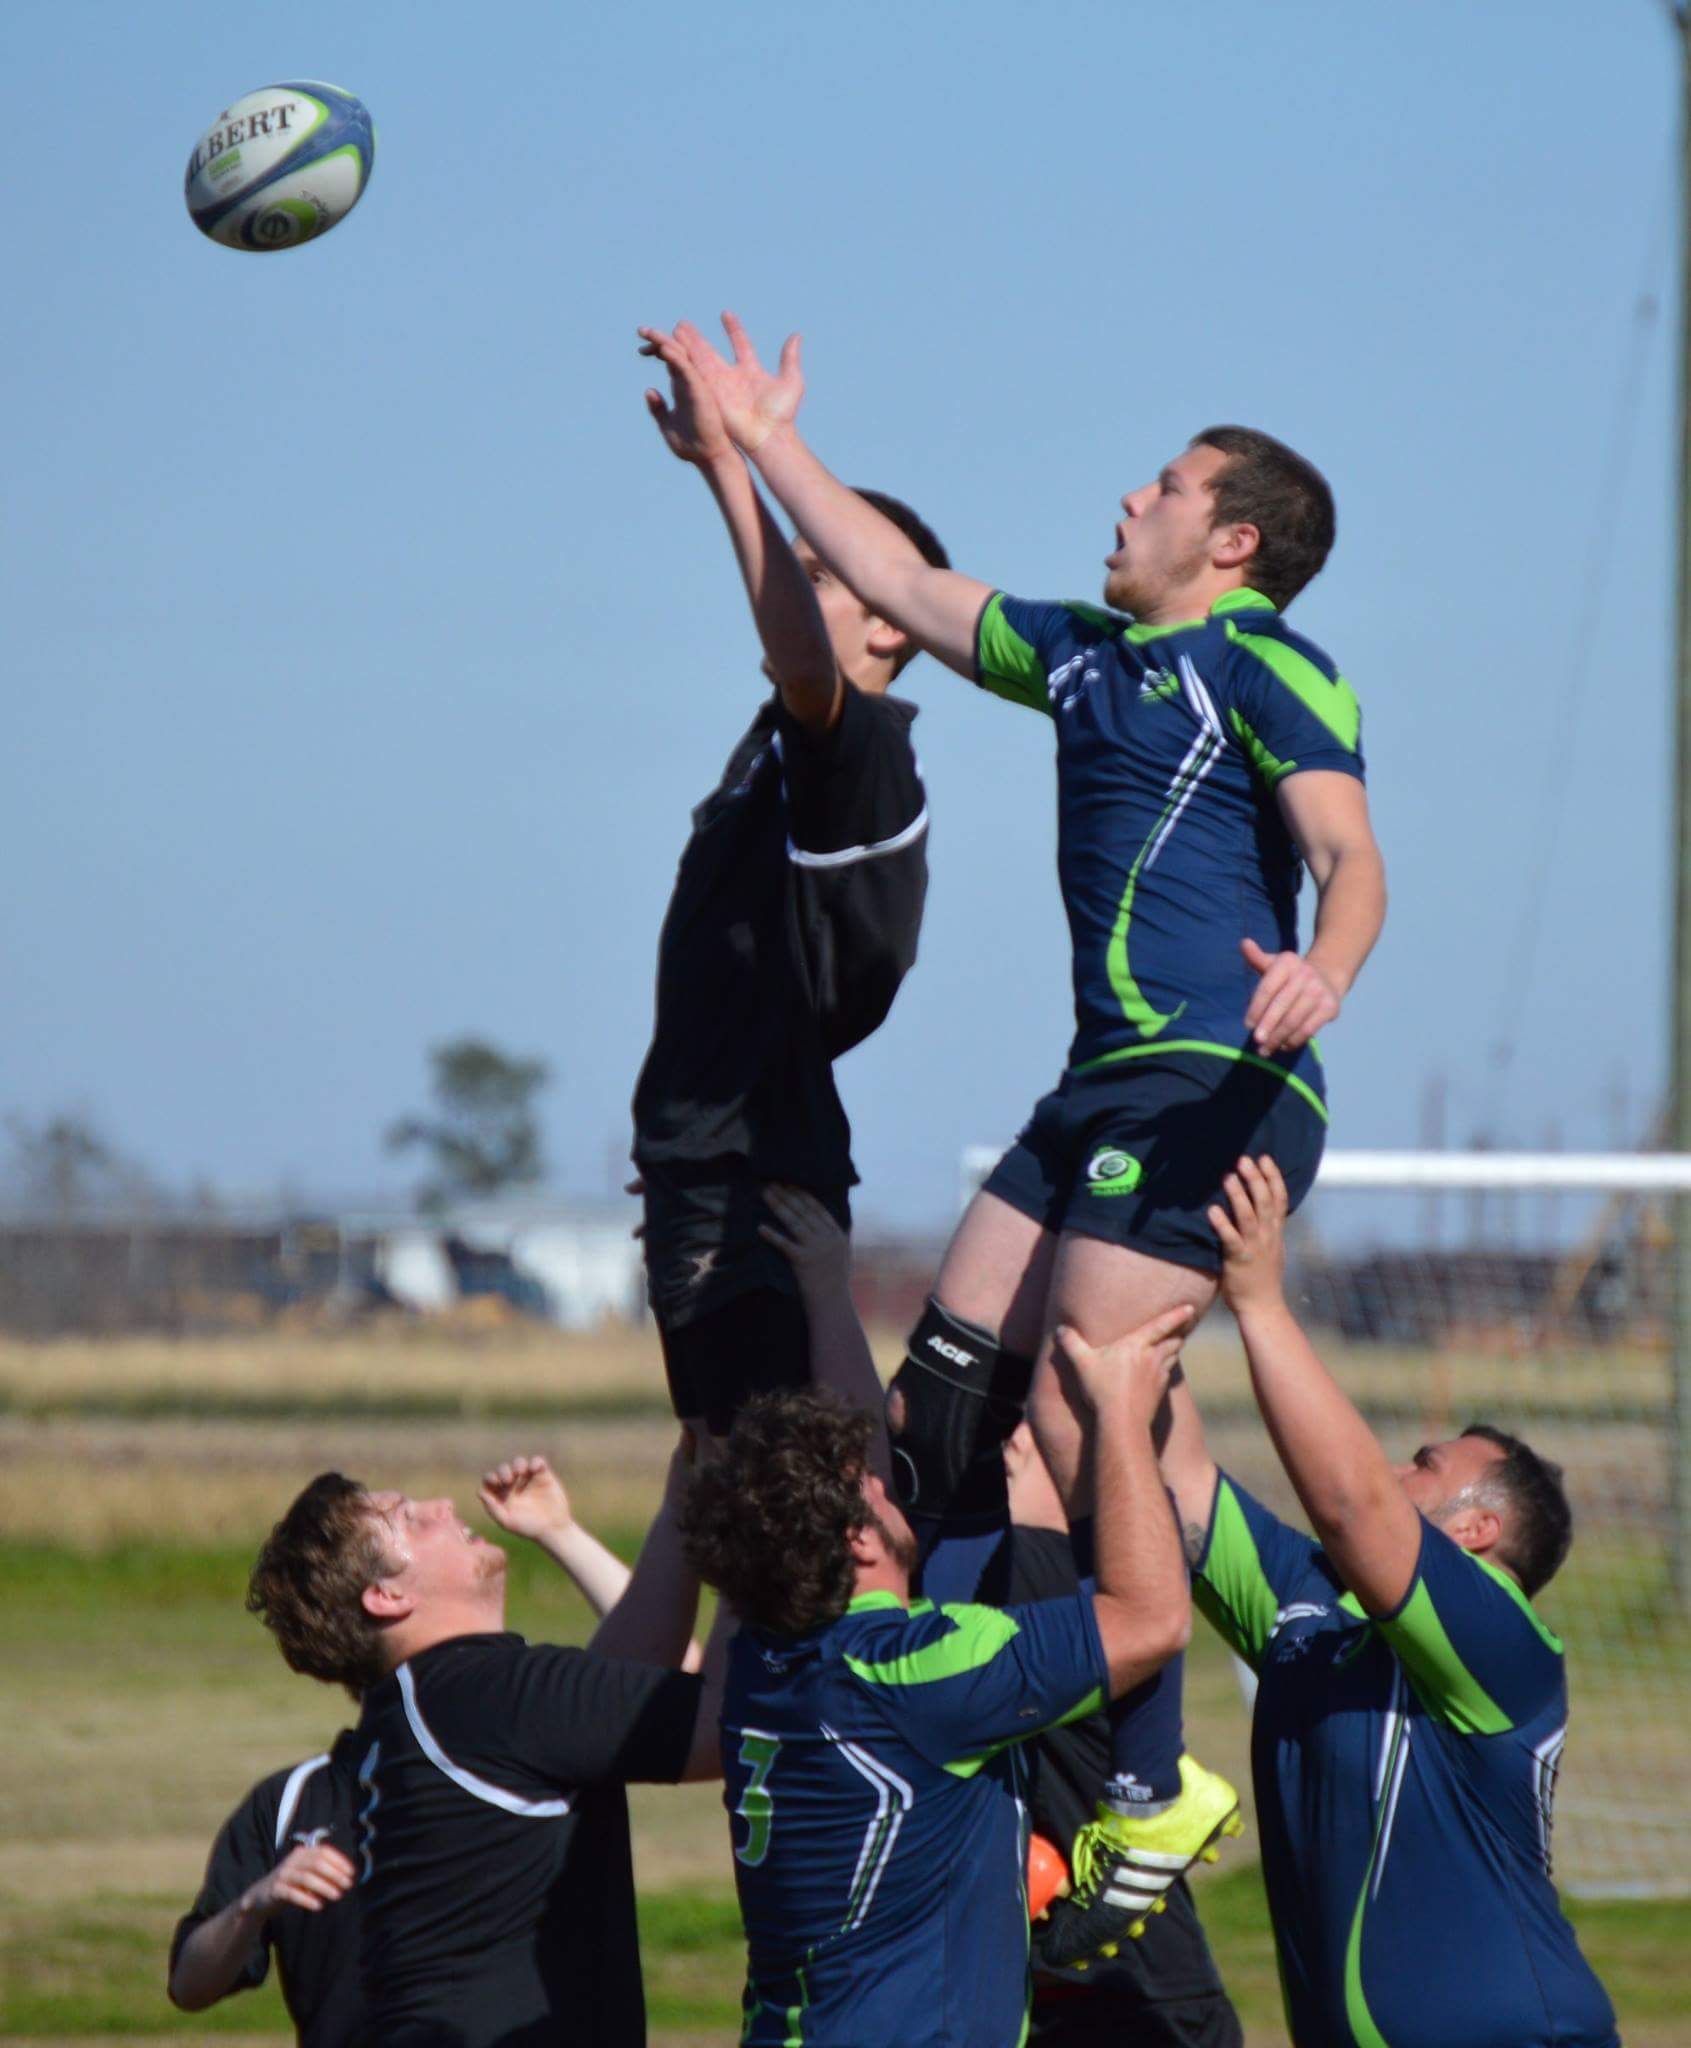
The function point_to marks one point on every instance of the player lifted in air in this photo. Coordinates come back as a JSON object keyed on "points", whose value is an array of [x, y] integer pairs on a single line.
{"points": [[793, 920], [1206, 754], [1411, 1706]]}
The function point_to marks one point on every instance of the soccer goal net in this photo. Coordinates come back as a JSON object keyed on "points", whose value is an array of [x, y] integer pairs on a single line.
{"points": [[1537, 1293]]}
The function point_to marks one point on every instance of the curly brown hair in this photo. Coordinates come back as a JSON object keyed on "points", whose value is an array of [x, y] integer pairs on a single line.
{"points": [[309, 1581], [769, 1521]]}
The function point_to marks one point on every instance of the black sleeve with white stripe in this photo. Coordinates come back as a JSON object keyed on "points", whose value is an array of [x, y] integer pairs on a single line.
{"points": [[857, 829]]}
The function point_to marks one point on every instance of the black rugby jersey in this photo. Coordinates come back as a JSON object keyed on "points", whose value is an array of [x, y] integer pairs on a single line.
{"points": [[493, 1852], [793, 920], [316, 1953]]}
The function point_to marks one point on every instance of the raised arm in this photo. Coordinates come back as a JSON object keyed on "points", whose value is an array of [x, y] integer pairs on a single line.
{"points": [[527, 1498], [1142, 1603], [645, 1614], [1326, 813], [938, 608], [1365, 1521], [653, 1621], [1189, 1472], [819, 1252], [704, 1756], [798, 656]]}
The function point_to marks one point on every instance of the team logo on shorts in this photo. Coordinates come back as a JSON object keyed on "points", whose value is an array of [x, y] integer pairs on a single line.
{"points": [[1111, 1171]]}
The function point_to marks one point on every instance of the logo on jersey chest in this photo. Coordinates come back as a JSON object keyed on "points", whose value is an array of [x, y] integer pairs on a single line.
{"points": [[1341, 1642], [1110, 1171], [1158, 685], [1066, 683]]}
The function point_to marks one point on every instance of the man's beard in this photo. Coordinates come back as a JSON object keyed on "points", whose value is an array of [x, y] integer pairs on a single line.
{"points": [[1123, 593]]}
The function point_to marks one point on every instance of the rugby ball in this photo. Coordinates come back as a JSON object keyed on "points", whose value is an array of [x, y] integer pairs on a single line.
{"points": [[280, 166], [1048, 1876]]}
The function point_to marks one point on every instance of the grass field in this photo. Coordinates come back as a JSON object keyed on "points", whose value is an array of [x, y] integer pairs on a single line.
{"points": [[140, 1701]]}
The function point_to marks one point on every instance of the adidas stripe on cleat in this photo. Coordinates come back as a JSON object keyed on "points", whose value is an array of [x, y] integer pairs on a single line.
{"points": [[1124, 1864]]}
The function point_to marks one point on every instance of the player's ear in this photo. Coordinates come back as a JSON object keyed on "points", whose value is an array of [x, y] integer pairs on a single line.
{"points": [[1234, 544], [1476, 1528], [383, 1600], [886, 641]]}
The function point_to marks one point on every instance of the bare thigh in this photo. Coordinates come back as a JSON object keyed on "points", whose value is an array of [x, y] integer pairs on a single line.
{"points": [[1102, 1291], [996, 1273]]}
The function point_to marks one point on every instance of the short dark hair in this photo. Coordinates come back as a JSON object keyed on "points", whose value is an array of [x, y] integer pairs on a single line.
{"points": [[309, 1581], [922, 537], [1540, 1529], [769, 1521], [1286, 499]]}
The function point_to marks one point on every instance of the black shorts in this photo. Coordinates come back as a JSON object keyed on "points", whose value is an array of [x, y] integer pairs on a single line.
{"points": [[725, 1301], [752, 1344], [1134, 1152], [1101, 2019]]}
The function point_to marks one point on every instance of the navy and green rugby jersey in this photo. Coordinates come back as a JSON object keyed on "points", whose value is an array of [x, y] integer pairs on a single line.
{"points": [[1404, 1771], [1171, 741], [880, 1832]]}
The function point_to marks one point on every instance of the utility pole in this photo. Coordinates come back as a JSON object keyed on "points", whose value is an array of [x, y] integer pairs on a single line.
{"points": [[1679, 1045]]}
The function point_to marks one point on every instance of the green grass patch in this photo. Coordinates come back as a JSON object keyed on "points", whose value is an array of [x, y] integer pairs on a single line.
{"points": [[98, 1968]]}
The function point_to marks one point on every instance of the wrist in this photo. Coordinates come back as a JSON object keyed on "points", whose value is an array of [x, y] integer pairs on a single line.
{"points": [[780, 442], [1261, 1310], [1337, 976], [561, 1542]]}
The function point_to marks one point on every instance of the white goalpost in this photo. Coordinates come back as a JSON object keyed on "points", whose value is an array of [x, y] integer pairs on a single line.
{"points": [[1534, 1291]]}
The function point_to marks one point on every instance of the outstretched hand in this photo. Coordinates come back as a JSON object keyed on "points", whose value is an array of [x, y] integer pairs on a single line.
{"points": [[1293, 1000], [691, 421], [751, 401], [526, 1498], [1137, 1365], [1252, 1230]]}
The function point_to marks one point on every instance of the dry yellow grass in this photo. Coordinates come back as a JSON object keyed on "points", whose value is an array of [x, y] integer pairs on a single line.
{"points": [[455, 1358], [473, 1361], [95, 1485]]}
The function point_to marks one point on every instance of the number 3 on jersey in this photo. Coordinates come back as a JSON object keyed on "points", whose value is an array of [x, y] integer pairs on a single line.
{"points": [[756, 1805]]}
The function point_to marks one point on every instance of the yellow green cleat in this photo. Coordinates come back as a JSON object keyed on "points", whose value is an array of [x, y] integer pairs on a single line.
{"points": [[1124, 1864]]}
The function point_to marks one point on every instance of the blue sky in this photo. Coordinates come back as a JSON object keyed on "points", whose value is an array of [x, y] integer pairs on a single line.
{"points": [[366, 651]]}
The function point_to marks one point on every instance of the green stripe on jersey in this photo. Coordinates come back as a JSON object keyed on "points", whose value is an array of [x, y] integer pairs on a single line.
{"points": [[1006, 664], [1268, 765], [968, 1766], [977, 1635], [1243, 600], [1549, 1638], [1449, 1688], [1231, 1586], [1330, 698], [1220, 1052]]}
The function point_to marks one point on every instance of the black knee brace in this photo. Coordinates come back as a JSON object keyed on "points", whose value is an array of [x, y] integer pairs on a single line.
{"points": [[963, 1395]]}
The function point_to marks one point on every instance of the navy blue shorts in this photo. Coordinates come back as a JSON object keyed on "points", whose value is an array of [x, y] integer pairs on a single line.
{"points": [[1134, 1152]]}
